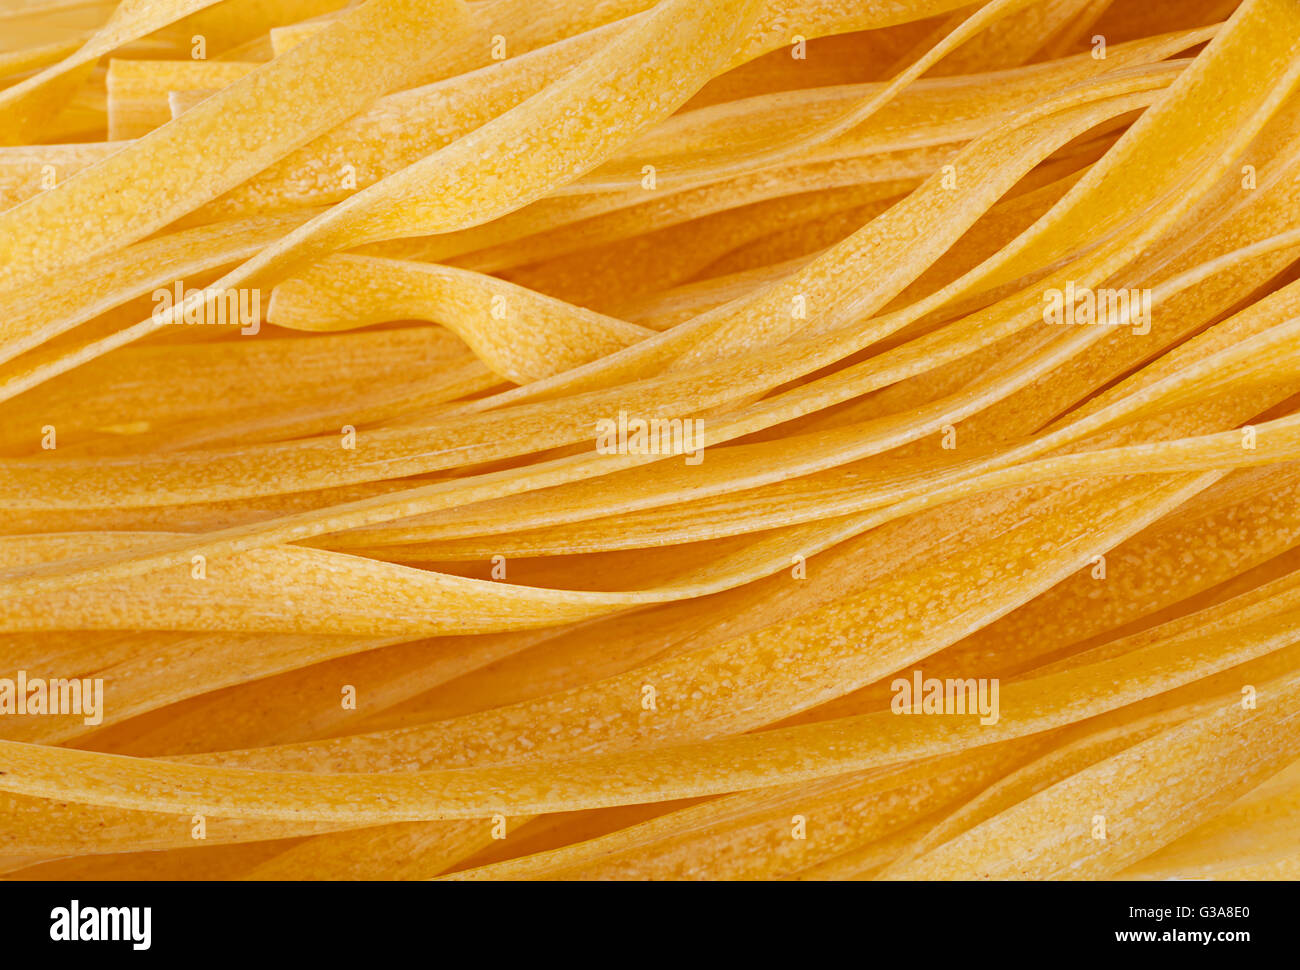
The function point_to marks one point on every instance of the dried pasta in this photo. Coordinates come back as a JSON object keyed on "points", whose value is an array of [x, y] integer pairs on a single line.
{"points": [[650, 439]]}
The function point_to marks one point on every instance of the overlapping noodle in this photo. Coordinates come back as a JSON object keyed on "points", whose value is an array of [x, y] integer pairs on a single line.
{"points": [[694, 439]]}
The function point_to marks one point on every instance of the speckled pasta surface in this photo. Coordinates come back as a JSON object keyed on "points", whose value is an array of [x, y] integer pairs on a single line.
{"points": [[693, 439]]}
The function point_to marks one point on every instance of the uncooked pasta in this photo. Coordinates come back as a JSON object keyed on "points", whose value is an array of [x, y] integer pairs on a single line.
{"points": [[650, 440]]}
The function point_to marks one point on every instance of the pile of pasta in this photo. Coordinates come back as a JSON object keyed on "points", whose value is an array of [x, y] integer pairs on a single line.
{"points": [[316, 317]]}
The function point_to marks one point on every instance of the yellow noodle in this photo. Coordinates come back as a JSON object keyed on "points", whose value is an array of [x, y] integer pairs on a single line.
{"points": [[581, 422]]}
